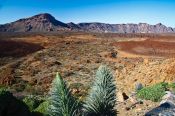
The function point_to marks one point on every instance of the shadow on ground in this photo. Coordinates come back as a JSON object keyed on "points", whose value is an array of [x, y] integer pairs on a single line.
{"points": [[17, 48]]}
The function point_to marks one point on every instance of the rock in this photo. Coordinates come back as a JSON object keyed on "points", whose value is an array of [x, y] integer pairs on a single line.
{"points": [[67, 74], [133, 105], [97, 61], [168, 97], [138, 86], [57, 63], [165, 109], [88, 61], [113, 54], [122, 96]]}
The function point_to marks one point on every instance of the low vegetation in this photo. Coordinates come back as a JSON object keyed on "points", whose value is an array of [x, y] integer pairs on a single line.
{"points": [[42, 108], [155, 92], [32, 102], [100, 101]]}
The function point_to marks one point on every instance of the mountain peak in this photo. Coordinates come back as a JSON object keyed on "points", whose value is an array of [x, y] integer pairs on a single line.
{"points": [[38, 23], [159, 24], [44, 16], [46, 22]]}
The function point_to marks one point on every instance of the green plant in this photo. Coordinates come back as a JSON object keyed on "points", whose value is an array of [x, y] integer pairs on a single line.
{"points": [[171, 85], [62, 103], [102, 97], [154, 92], [2, 90], [42, 108], [32, 102]]}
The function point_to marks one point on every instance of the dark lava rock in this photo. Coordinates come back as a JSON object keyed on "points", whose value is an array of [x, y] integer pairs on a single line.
{"points": [[165, 109]]}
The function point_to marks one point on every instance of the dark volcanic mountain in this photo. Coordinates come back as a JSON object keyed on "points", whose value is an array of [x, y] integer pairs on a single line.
{"points": [[126, 28], [38, 23], [46, 23]]}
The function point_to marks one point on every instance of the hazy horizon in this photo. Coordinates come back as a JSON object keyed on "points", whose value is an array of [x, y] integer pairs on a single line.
{"points": [[103, 11]]}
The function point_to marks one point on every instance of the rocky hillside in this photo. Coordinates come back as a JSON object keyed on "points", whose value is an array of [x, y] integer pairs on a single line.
{"points": [[38, 23], [126, 28], [46, 23]]}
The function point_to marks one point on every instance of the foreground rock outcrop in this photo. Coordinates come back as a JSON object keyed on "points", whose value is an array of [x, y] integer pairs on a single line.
{"points": [[166, 108]]}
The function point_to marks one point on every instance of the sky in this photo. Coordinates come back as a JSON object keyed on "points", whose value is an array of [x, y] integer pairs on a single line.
{"points": [[105, 11]]}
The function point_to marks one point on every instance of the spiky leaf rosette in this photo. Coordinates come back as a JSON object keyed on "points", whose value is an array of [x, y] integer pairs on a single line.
{"points": [[62, 103], [102, 97]]}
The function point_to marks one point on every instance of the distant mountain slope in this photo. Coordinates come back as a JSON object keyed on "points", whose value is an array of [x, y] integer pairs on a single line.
{"points": [[126, 28], [41, 22], [46, 23]]}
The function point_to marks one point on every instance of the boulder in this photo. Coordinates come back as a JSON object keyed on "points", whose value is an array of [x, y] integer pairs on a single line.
{"points": [[168, 97], [166, 107]]}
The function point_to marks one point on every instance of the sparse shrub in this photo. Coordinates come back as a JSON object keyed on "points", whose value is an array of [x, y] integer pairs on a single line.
{"points": [[79, 90], [171, 85], [61, 102], [2, 89], [32, 102], [102, 97], [100, 101], [76, 85], [29, 88], [34, 89], [19, 87], [154, 92]]}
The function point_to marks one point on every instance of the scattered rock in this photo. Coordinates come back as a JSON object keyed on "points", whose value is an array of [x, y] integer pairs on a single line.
{"points": [[9, 80], [97, 61], [138, 86], [122, 96], [57, 63], [88, 61], [33, 81], [67, 74], [113, 54], [67, 43], [134, 105]]}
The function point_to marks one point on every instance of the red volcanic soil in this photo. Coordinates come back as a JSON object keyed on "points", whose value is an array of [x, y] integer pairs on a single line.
{"points": [[149, 47], [17, 48]]}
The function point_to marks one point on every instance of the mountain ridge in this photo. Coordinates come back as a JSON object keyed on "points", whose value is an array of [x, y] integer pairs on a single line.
{"points": [[45, 22]]}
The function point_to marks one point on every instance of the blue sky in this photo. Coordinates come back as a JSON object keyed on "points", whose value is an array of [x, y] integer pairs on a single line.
{"points": [[106, 11]]}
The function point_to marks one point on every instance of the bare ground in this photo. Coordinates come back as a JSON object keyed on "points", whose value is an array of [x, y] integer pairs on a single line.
{"points": [[28, 63]]}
